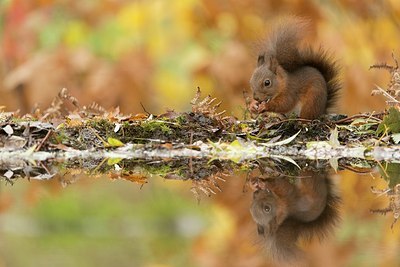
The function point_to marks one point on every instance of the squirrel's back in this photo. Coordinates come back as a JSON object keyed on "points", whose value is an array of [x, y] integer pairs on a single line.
{"points": [[286, 44]]}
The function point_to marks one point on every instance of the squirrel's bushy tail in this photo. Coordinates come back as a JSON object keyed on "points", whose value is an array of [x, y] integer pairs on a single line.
{"points": [[282, 245], [285, 39], [285, 43], [329, 69]]}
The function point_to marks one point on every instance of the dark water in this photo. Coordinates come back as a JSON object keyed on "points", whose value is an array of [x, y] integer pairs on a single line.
{"points": [[192, 212]]}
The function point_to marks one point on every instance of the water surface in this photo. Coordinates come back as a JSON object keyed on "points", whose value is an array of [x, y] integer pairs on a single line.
{"points": [[194, 212]]}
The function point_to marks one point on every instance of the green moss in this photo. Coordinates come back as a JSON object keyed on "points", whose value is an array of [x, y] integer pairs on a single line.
{"points": [[103, 126], [181, 120], [59, 137], [152, 126]]}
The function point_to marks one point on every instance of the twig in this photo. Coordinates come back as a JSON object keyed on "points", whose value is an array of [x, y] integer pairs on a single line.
{"points": [[98, 136], [144, 109], [387, 95], [287, 120], [356, 170], [44, 167], [43, 140], [98, 166], [358, 116]]}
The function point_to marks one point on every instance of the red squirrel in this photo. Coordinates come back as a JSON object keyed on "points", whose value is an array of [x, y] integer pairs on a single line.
{"points": [[291, 77], [288, 209]]}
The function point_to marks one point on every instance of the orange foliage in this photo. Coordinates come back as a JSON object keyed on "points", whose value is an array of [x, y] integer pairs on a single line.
{"points": [[123, 53]]}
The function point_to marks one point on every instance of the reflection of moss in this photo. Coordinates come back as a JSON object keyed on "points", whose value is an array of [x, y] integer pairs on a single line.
{"points": [[160, 170], [182, 169]]}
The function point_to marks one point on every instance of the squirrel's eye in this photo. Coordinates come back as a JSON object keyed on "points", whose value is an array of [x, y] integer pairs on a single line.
{"points": [[267, 83], [267, 208]]}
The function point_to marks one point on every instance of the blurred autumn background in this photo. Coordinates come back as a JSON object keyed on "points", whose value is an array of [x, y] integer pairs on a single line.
{"points": [[156, 52]]}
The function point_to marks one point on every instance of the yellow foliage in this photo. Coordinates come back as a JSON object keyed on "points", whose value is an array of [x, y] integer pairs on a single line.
{"points": [[171, 89], [384, 33], [222, 229], [227, 24], [76, 33]]}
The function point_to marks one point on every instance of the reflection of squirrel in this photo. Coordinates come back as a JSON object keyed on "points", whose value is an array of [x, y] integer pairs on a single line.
{"points": [[290, 78], [286, 211]]}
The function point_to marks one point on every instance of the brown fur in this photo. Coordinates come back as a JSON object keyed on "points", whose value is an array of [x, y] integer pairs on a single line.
{"points": [[302, 208], [301, 78]]}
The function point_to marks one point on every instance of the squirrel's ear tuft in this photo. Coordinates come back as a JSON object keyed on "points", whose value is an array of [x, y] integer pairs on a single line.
{"points": [[260, 229], [273, 64], [260, 60]]}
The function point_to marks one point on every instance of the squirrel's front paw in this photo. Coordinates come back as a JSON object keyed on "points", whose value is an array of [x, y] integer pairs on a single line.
{"points": [[256, 183], [262, 107], [254, 106], [257, 107]]}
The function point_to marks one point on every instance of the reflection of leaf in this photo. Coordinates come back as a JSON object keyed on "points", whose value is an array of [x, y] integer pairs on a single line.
{"points": [[396, 138], [287, 159], [131, 177], [318, 144], [236, 145], [114, 142], [391, 122], [112, 161], [235, 150], [334, 163], [391, 173]]}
